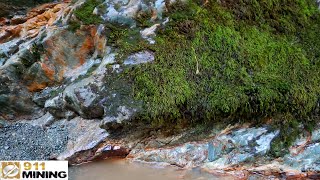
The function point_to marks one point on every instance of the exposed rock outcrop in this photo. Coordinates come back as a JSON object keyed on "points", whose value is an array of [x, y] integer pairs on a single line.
{"points": [[23, 68], [43, 53]]}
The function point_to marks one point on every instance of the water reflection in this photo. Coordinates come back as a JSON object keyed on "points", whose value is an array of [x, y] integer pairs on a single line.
{"points": [[123, 170]]}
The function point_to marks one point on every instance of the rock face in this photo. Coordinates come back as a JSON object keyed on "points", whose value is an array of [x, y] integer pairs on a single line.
{"points": [[222, 151], [37, 57], [24, 68], [237, 151], [14, 99], [90, 98], [68, 76], [304, 154], [83, 135], [308, 160]]}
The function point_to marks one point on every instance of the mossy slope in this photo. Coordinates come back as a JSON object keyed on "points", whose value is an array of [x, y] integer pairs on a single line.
{"points": [[240, 59], [227, 61]]}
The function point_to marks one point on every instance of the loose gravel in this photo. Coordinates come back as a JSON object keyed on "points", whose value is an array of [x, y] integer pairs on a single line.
{"points": [[28, 142]]}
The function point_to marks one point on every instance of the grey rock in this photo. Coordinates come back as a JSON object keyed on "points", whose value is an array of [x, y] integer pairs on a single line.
{"points": [[315, 136], [41, 97], [125, 11], [82, 135], [83, 97], [3, 123], [307, 160], [240, 158], [239, 146], [187, 155], [9, 48], [44, 121], [114, 122], [56, 106], [215, 149], [15, 99], [149, 33], [122, 12], [243, 137], [264, 142], [139, 58]]}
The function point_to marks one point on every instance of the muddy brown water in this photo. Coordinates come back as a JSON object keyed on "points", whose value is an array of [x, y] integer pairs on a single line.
{"points": [[124, 170]]}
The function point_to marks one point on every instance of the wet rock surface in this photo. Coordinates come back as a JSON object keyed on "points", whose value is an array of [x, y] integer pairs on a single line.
{"points": [[304, 154], [80, 140], [308, 160], [223, 151]]}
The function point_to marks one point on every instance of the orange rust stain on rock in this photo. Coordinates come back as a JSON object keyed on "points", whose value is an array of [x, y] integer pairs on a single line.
{"points": [[60, 75], [55, 57], [3, 21], [34, 86], [16, 31], [54, 53], [44, 15], [86, 48], [40, 9], [10, 33], [93, 31], [59, 58], [48, 71]]}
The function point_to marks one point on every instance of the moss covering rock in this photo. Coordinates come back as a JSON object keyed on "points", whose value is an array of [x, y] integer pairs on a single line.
{"points": [[231, 61], [85, 13]]}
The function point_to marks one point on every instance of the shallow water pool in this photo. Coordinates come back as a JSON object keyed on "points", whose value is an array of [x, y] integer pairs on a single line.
{"points": [[124, 170]]}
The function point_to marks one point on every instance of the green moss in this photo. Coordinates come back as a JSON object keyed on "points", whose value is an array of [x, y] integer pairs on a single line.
{"points": [[234, 60], [274, 15], [74, 26], [85, 12], [289, 132], [126, 40], [143, 19]]}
